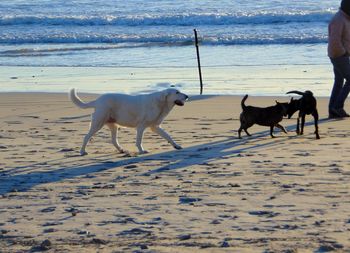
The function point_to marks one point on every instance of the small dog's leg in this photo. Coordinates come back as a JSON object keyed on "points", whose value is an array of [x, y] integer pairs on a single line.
{"points": [[281, 127], [271, 132], [315, 115], [114, 135], [246, 131], [166, 136], [298, 123], [239, 133], [302, 124], [139, 137]]}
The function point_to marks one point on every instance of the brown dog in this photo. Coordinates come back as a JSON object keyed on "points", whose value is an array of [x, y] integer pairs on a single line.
{"points": [[268, 116]]}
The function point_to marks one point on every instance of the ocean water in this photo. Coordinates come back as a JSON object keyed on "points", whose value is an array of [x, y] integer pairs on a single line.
{"points": [[235, 37]]}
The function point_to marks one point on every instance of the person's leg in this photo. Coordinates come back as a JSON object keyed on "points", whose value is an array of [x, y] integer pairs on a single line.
{"points": [[342, 65], [337, 87]]}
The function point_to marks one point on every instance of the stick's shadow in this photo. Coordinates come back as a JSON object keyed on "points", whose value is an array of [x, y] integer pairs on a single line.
{"points": [[25, 178]]}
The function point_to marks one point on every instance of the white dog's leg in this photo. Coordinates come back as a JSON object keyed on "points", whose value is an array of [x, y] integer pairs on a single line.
{"points": [[114, 135], [97, 122], [139, 136], [165, 135]]}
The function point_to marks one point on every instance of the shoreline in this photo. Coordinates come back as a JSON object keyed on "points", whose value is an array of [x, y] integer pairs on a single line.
{"points": [[231, 80]]}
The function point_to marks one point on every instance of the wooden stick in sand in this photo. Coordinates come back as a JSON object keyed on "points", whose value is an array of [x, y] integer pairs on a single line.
{"points": [[198, 61]]}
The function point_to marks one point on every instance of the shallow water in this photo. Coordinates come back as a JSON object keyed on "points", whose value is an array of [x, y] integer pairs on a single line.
{"points": [[254, 47]]}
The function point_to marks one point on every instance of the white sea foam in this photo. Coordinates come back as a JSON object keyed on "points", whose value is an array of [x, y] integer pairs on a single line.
{"points": [[186, 19]]}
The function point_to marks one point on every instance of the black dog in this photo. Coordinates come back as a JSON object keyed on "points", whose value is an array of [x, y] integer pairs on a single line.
{"points": [[307, 104], [269, 116]]}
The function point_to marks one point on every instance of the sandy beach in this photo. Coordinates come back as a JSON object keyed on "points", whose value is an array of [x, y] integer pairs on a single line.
{"points": [[218, 194]]}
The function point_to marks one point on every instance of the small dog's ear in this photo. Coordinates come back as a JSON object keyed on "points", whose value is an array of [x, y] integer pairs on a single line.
{"points": [[291, 100], [276, 102]]}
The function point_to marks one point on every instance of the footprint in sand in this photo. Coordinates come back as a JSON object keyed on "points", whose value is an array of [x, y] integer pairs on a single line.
{"points": [[188, 200], [267, 214], [13, 122], [303, 154], [30, 116]]}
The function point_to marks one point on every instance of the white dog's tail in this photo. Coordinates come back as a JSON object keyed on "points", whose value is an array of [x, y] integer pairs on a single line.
{"points": [[78, 102]]}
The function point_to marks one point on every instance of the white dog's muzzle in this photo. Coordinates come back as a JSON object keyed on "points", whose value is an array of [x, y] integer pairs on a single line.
{"points": [[181, 102]]}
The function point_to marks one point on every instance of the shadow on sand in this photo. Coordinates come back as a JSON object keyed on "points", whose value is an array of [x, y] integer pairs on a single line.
{"points": [[26, 177]]}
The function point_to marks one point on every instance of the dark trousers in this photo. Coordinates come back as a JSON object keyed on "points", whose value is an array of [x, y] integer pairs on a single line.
{"points": [[340, 91]]}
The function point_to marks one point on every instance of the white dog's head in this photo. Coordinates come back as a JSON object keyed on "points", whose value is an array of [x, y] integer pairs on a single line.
{"points": [[173, 96]]}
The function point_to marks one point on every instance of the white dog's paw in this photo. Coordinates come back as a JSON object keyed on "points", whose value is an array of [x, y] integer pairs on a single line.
{"points": [[123, 151], [82, 153], [177, 146], [129, 154]]}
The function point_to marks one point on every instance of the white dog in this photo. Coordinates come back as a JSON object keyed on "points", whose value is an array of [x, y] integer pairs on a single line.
{"points": [[139, 112]]}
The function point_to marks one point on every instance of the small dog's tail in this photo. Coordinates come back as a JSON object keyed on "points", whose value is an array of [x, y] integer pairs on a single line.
{"points": [[242, 102], [78, 102], [308, 92]]}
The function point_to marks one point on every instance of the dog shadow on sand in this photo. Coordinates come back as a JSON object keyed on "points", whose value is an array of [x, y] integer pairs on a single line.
{"points": [[21, 179]]}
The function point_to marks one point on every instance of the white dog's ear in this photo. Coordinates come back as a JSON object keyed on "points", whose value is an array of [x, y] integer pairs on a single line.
{"points": [[164, 95]]}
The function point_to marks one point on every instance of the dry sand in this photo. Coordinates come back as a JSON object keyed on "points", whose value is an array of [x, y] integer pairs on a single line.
{"points": [[218, 194]]}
